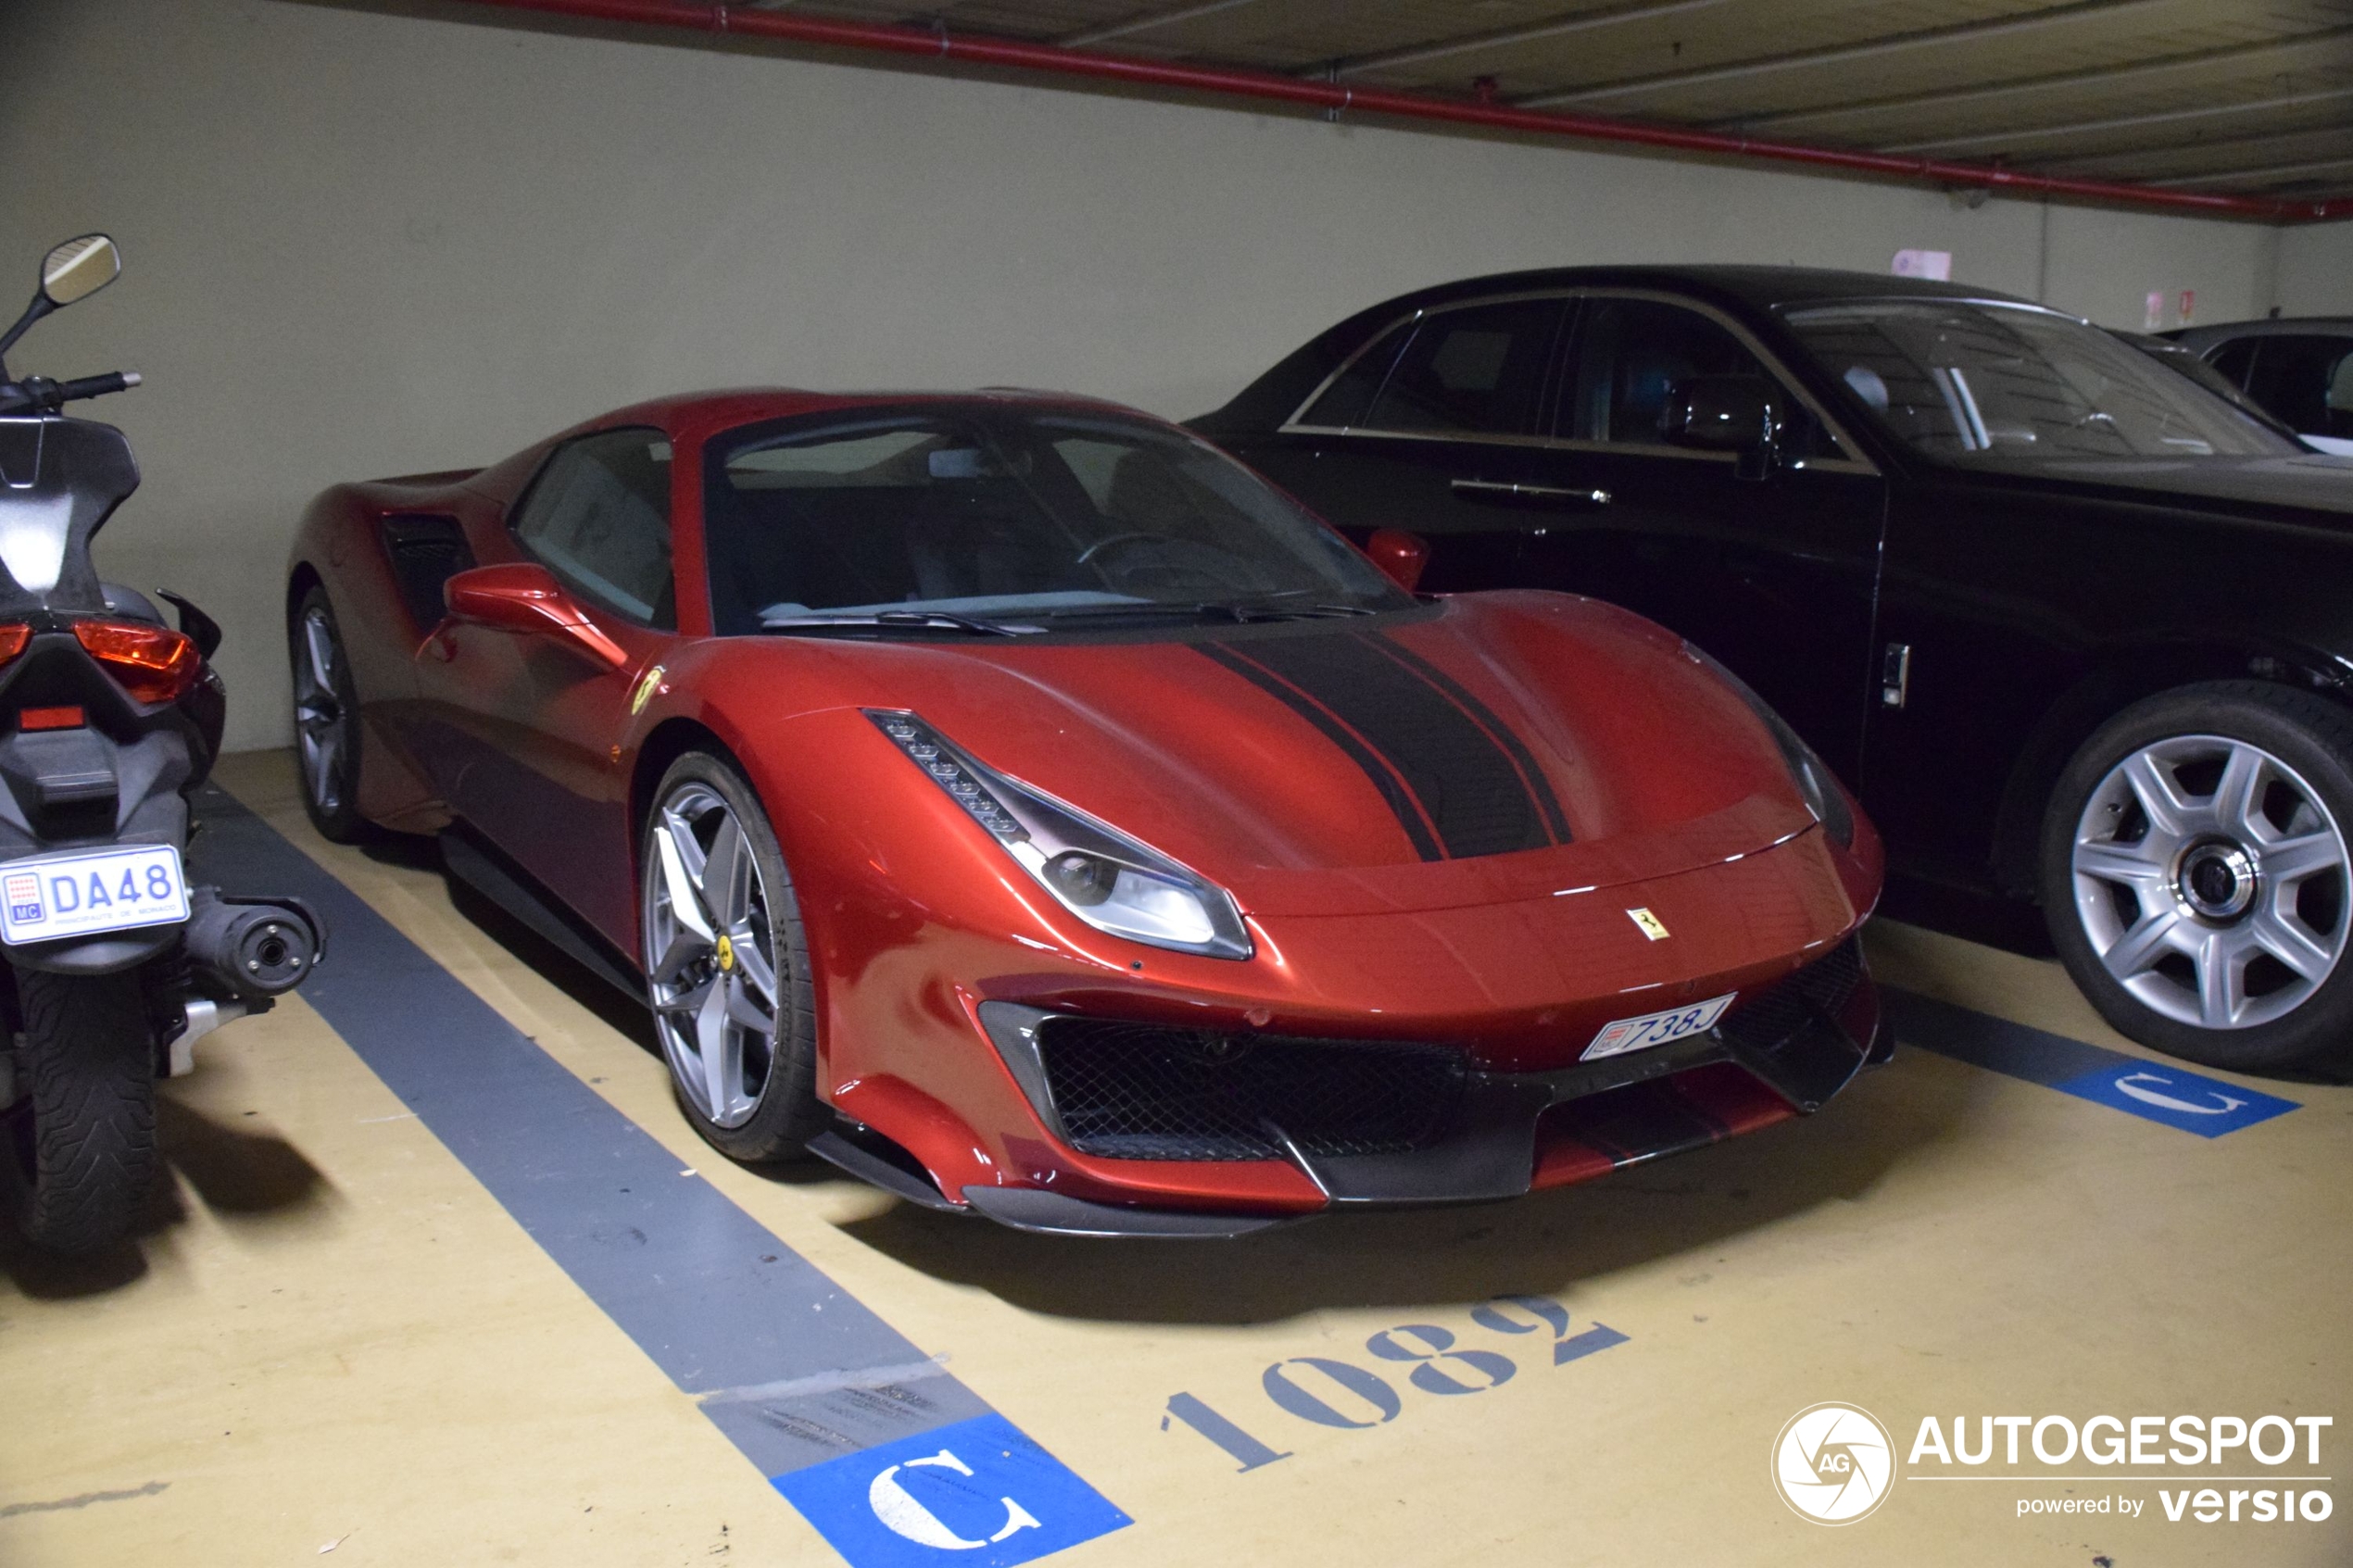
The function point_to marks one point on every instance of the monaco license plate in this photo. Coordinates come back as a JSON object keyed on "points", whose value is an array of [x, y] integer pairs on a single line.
{"points": [[1657, 1028], [86, 892]]}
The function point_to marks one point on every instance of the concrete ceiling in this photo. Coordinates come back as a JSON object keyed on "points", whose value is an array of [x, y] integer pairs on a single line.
{"points": [[2248, 97]]}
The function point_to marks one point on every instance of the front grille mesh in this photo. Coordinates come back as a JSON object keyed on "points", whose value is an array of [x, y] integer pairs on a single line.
{"points": [[1823, 987], [1128, 1091]]}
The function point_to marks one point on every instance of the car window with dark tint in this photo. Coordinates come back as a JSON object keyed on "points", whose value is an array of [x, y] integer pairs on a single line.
{"points": [[1350, 397], [1631, 355], [598, 517], [1476, 370], [2306, 380], [2002, 385], [2234, 361]]}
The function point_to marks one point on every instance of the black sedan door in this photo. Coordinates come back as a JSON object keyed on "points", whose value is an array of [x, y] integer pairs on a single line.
{"points": [[1436, 428], [1769, 565]]}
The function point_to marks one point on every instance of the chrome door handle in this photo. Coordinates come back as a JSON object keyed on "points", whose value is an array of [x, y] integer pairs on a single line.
{"points": [[1502, 488]]}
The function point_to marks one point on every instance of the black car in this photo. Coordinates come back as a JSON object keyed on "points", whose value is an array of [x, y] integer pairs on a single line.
{"points": [[2080, 631], [2299, 369]]}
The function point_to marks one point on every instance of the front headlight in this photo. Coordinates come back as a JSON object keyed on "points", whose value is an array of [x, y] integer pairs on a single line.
{"points": [[1808, 771], [1110, 881]]}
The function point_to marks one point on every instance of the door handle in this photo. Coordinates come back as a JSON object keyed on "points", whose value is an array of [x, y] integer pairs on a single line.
{"points": [[1551, 495]]}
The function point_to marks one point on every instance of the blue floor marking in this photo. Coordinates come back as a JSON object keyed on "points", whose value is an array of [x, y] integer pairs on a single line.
{"points": [[800, 1374], [2158, 1092], [978, 1488]]}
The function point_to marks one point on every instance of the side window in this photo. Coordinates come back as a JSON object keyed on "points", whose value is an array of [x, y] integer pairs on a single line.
{"points": [[1632, 354], [2298, 378], [2234, 361], [1350, 397], [1477, 370], [599, 517]]}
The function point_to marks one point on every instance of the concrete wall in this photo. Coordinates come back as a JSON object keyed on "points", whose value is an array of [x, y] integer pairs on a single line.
{"points": [[363, 243], [2315, 271]]}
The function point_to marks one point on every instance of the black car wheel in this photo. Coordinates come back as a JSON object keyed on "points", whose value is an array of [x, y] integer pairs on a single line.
{"points": [[727, 965], [2197, 880], [326, 716]]}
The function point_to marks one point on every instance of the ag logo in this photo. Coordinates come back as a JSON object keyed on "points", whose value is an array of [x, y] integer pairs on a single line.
{"points": [[1834, 1463]]}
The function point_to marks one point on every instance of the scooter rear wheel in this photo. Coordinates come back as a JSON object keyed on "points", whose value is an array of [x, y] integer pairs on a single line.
{"points": [[78, 1155]]}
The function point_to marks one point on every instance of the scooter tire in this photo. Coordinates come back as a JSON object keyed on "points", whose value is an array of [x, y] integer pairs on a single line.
{"points": [[80, 1149]]}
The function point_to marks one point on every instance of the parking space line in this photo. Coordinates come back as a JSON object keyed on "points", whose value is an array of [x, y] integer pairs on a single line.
{"points": [[709, 1293], [2154, 1091]]}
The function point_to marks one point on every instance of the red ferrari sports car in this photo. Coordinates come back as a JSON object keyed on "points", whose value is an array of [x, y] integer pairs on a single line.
{"points": [[1017, 802]]}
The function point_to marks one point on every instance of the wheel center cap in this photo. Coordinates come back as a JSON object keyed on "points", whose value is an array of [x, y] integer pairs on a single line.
{"points": [[2217, 881], [726, 953]]}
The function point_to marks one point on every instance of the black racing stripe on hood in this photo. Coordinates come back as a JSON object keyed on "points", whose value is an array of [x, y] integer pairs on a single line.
{"points": [[1466, 781], [1384, 778], [1540, 788]]}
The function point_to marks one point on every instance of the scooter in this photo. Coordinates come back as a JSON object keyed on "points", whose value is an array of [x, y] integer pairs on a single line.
{"points": [[109, 720]]}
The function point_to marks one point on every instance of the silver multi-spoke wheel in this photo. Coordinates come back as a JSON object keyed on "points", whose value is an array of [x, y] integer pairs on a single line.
{"points": [[2211, 882], [322, 721], [710, 958]]}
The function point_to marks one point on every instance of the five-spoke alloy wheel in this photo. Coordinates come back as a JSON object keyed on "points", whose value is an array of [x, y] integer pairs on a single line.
{"points": [[726, 964], [326, 716], [2196, 874]]}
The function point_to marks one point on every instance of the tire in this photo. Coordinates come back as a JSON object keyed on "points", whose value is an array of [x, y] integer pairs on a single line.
{"points": [[77, 1158], [749, 1090], [2196, 876], [326, 716]]}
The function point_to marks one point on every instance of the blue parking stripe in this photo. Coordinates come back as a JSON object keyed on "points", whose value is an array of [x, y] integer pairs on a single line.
{"points": [[2154, 1091], [794, 1371]]}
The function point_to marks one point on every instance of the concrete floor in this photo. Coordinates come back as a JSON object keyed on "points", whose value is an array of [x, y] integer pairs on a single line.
{"points": [[333, 1337]]}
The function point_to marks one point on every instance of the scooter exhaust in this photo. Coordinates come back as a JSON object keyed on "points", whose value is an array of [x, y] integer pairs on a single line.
{"points": [[252, 947]]}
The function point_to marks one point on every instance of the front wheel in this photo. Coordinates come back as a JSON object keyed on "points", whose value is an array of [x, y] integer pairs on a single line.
{"points": [[79, 1147], [2195, 875], [727, 965]]}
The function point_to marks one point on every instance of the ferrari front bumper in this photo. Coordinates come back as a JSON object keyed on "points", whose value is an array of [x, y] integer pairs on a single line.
{"points": [[1488, 1135]]}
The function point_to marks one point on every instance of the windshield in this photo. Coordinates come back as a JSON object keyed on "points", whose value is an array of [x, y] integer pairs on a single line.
{"points": [[1997, 385], [985, 513]]}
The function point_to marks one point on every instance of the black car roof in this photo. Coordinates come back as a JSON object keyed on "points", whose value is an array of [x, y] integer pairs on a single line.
{"points": [[1760, 287]]}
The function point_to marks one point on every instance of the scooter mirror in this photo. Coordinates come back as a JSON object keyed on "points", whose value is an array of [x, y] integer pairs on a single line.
{"points": [[79, 269]]}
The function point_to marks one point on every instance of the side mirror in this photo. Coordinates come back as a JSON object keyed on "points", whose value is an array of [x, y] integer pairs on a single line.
{"points": [[1400, 555], [79, 269], [525, 598], [1724, 414]]}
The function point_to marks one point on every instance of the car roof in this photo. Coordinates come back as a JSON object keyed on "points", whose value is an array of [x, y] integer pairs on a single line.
{"points": [[2269, 326], [699, 415], [1758, 287]]}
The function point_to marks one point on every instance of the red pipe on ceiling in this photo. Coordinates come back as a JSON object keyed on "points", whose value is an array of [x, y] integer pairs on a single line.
{"points": [[1014, 54]]}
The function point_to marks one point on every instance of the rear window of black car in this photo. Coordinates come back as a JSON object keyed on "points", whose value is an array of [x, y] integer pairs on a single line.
{"points": [[1476, 370]]}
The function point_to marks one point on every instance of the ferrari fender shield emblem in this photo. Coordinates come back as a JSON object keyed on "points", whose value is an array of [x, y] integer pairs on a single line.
{"points": [[1653, 927], [643, 691]]}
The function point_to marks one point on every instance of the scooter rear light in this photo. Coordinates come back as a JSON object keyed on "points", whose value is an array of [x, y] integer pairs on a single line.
{"points": [[152, 663], [51, 719]]}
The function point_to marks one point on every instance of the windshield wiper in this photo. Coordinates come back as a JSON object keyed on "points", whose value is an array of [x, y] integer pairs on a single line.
{"points": [[1242, 611], [899, 620]]}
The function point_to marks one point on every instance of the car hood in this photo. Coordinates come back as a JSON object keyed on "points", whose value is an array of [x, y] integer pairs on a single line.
{"points": [[1482, 749], [2308, 481]]}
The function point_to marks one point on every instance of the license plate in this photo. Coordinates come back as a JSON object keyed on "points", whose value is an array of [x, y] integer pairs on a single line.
{"points": [[1657, 1028], [86, 892]]}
